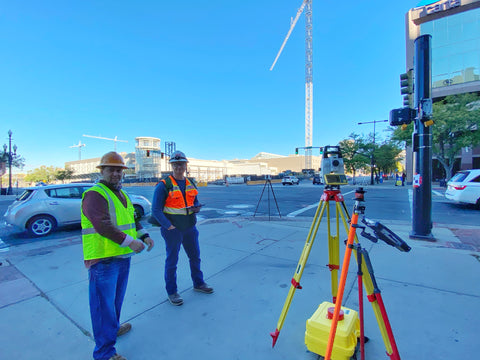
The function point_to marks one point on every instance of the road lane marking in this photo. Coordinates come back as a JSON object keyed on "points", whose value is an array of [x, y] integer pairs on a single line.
{"points": [[296, 212], [3, 247]]}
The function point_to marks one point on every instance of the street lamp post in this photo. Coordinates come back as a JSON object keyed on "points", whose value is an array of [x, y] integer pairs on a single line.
{"points": [[10, 159], [372, 160]]}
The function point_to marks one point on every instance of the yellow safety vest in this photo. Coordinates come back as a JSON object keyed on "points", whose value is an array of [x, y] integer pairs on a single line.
{"points": [[96, 246]]}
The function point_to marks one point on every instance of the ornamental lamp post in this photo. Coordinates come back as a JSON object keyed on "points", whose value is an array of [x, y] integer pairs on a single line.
{"points": [[10, 160]]}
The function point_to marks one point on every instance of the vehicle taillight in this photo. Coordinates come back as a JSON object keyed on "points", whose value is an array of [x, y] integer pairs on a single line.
{"points": [[460, 187]]}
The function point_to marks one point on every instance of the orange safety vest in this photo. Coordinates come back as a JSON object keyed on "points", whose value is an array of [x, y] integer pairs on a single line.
{"points": [[175, 202]]}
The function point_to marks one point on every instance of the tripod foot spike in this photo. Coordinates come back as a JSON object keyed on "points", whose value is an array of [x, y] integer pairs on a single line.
{"points": [[274, 336]]}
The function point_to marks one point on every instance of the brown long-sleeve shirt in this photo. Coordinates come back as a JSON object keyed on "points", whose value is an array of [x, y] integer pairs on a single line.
{"points": [[95, 208]]}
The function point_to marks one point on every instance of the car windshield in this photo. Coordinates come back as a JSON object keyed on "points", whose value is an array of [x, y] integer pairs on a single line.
{"points": [[25, 195], [459, 176]]}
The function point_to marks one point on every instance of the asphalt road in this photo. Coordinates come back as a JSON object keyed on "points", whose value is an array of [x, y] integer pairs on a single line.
{"points": [[383, 202]]}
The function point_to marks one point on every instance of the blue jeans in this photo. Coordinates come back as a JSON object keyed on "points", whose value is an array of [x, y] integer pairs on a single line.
{"points": [[189, 239], [107, 284]]}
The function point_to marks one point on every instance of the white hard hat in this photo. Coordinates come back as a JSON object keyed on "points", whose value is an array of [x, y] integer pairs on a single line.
{"points": [[177, 156]]}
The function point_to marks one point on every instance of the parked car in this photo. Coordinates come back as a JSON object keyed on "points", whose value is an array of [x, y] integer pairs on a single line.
{"points": [[290, 180], [217, 182], [41, 209], [317, 180], [464, 187]]}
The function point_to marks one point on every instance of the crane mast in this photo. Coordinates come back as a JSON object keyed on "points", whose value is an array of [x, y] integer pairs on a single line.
{"points": [[307, 6], [308, 84]]}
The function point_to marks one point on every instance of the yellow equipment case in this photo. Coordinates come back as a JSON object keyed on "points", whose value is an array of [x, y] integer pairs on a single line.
{"points": [[318, 329]]}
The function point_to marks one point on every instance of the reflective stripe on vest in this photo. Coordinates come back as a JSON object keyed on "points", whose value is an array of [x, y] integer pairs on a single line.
{"points": [[175, 202], [96, 246]]}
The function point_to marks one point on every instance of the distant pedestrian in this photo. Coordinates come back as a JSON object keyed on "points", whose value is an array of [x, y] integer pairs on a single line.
{"points": [[109, 236], [175, 206], [404, 176]]}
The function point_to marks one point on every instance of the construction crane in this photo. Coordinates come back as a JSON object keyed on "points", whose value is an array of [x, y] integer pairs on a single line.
{"points": [[80, 145], [104, 138], [307, 6]]}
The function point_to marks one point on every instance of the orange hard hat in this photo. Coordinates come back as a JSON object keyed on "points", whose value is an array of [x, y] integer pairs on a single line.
{"points": [[112, 159]]}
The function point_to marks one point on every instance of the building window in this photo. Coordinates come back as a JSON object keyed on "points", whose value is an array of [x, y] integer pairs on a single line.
{"points": [[455, 48]]}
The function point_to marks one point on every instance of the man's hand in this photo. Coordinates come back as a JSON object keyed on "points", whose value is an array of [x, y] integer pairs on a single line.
{"points": [[171, 227], [137, 246], [149, 241], [194, 209]]}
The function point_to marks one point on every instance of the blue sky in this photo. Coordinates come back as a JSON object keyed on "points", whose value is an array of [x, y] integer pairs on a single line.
{"points": [[193, 72]]}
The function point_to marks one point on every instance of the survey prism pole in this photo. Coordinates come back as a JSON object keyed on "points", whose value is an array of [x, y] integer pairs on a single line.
{"points": [[422, 141]]}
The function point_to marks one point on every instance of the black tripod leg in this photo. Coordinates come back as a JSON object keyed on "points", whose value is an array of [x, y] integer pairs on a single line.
{"points": [[264, 186], [274, 198]]}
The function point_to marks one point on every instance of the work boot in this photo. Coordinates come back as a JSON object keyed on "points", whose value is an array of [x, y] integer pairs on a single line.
{"points": [[204, 288], [117, 357], [123, 329], [175, 299]]}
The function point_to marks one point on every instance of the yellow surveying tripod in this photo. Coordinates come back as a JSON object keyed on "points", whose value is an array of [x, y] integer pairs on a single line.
{"points": [[332, 193]]}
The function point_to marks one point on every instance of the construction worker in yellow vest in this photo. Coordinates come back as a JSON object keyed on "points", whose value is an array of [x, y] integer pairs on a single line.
{"points": [[110, 236], [174, 207]]}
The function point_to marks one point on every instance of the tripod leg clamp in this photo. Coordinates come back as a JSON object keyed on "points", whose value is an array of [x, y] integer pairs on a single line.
{"points": [[371, 297], [296, 284], [333, 267]]}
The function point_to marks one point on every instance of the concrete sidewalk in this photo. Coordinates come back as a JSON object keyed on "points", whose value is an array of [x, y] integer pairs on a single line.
{"points": [[431, 295]]}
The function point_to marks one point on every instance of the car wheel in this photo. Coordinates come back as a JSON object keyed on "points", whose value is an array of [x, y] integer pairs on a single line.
{"points": [[283, 184], [138, 212], [41, 225]]}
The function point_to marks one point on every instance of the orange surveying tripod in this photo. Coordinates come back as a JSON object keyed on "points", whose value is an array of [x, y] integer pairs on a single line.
{"points": [[332, 193]]}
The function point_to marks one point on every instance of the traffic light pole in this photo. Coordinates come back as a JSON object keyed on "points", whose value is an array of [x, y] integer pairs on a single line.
{"points": [[422, 142]]}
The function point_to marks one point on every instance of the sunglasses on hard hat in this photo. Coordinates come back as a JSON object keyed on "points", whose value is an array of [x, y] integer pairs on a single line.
{"points": [[178, 157]]}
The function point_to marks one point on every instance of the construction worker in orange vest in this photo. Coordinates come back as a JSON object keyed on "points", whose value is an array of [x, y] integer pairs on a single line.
{"points": [[175, 206]]}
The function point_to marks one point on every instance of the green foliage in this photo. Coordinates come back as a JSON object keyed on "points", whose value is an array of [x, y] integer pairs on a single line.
{"points": [[64, 174], [456, 125], [457, 121], [351, 147], [387, 156], [43, 173], [398, 134], [17, 160]]}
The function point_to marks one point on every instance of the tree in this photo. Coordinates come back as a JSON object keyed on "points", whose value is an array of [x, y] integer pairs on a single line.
{"points": [[17, 160], [43, 173], [387, 156], [456, 125], [352, 160], [63, 174]]}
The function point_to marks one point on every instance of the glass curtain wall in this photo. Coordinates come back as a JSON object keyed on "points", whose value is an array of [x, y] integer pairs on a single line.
{"points": [[455, 48]]}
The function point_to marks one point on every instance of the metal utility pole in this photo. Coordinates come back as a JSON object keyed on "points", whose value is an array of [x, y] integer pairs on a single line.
{"points": [[80, 145], [170, 147], [104, 138], [422, 141], [307, 5], [372, 159]]}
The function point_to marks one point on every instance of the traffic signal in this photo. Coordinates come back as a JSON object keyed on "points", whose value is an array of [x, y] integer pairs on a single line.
{"points": [[148, 153], [296, 151], [406, 88], [403, 116]]}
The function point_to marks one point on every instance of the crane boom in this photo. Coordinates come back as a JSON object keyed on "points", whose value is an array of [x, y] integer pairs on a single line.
{"points": [[79, 145], [292, 25], [307, 5], [104, 138]]}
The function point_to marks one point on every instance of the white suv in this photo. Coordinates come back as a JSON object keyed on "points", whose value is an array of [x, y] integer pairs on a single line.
{"points": [[41, 209], [290, 180], [464, 187]]}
